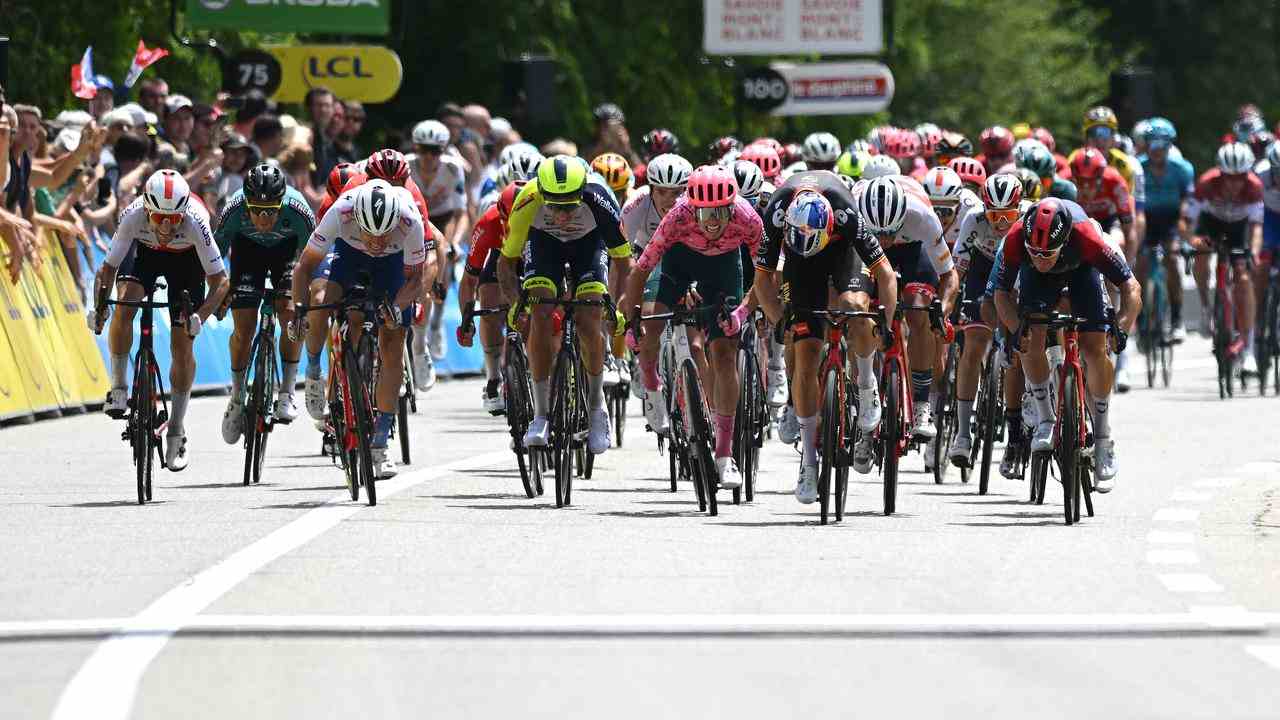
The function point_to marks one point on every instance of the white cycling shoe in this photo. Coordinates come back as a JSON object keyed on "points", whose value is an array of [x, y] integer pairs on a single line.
{"points": [[928, 454], [424, 372], [863, 454], [233, 422], [175, 452], [655, 411], [727, 469], [1106, 466], [117, 403], [1248, 364], [598, 437], [868, 408], [789, 427], [286, 410], [383, 465], [807, 485], [777, 387], [538, 433], [1042, 440], [610, 377], [435, 343], [961, 447], [1009, 462], [313, 394], [923, 422], [492, 400]]}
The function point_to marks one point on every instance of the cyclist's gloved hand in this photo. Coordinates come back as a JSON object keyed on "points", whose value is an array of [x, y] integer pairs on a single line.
{"points": [[97, 319], [194, 324], [1122, 341], [464, 333], [439, 290], [731, 323], [513, 315], [948, 333], [619, 323]]}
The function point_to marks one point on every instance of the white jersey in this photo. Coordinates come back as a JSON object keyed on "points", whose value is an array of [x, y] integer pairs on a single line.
{"points": [[640, 220], [1270, 186], [921, 225], [447, 191], [968, 205], [339, 223], [195, 232], [976, 235]]}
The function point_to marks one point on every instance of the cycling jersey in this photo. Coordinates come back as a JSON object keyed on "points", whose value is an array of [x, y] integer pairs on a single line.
{"points": [[1129, 169], [1106, 199], [976, 236], [968, 205], [294, 222], [921, 225], [193, 232], [359, 178], [1167, 188], [1213, 196], [640, 219], [681, 226], [596, 216], [406, 237], [486, 237], [447, 190], [1085, 246], [848, 228], [1270, 180]]}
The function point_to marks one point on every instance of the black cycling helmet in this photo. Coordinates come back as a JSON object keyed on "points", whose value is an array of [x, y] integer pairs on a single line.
{"points": [[264, 185]]}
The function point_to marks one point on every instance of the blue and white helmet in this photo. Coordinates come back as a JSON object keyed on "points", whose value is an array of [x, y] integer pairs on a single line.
{"points": [[377, 207], [809, 221]]}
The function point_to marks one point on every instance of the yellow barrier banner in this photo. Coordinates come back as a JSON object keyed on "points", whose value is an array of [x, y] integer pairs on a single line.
{"points": [[88, 374], [14, 402], [35, 370], [52, 348]]}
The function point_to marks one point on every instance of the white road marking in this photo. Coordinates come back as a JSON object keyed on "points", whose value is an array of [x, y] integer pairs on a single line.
{"points": [[1176, 515], [1269, 654], [1262, 466], [105, 686], [1167, 556], [1202, 619], [1216, 482], [1192, 496], [1170, 537], [1189, 583]]}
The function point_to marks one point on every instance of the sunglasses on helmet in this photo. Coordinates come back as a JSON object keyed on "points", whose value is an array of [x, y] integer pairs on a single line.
{"points": [[707, 214], [944, 212]]}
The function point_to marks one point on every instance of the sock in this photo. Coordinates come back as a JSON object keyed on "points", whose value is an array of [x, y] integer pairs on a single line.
{"points": [[595, 391], [313, 366], [1175, 313], [382, 428], [237, 380], [1044, 409], [866, 371], [777, 353], [288, 376], [119, 369], [921, 382], [1248, 343], [178, 412], [649, 373], [437, 318], [1101, 425], [492, 361], [964, 411], [1122, 360], [724, 435], [935, 400], [809, 439], [1013, 421], [419, 344], [541, 397]]}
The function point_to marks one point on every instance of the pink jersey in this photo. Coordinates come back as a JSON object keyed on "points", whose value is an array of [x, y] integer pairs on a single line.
{"points": [[680, 225]]}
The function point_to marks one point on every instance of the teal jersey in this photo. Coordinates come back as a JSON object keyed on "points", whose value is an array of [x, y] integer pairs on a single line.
{"points": [[1167, 190], [295, 222], [1063, 189]]}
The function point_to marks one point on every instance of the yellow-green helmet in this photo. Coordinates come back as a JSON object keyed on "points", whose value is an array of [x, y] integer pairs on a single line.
{"points": [[561, 179], [851, 164]]}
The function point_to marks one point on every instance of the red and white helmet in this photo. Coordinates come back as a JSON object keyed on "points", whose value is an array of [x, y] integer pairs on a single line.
{"points": [[1233, 159], [969, 170], [943, 185], [1002, 191], [764, 156], [712, 186], [166, 193], [1088, 163], [930, 135]]}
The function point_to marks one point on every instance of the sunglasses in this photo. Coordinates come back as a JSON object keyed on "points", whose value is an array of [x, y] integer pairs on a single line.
{"points": [[263, 209], [708, 214], [1099, 132], [1008, 216], [165, 218], [1042, 254], [944, 212]]}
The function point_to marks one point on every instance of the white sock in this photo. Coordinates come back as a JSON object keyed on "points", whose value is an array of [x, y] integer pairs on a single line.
{"points": [[866, 371], [437, 318], [237, 381], [288, 376], [1044, 408], [541, 396], [492, 362], [119, 369], [595, 391], [419, 340], [809, 439], [178, 412], [1101, 424]]}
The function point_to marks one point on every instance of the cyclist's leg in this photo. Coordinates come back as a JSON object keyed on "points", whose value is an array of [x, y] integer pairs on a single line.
{"points": [[915, 268], [546, 269], [134, 280], [183, 273], [317, 321], [491, 329], [1200, 266], [281, 271], [590, 270], [804, 288], [977, 338], [1039, 291], [1243, 297], [248, 276]]}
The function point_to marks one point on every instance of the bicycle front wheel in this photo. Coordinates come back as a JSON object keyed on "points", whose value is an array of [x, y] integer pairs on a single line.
{"points": [[830, 420], [701, 439], [362, 411], [143, 435], [890, 434], [562, 431], [1069, 448]]}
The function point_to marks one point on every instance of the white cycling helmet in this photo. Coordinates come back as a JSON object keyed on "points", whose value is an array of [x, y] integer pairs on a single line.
{"points": [[377, 207], [943, 185], [729, 158], [668, 170], [524, 166], [820, 147], [431, 133], [849, 182], [515, 150], [883, 206], [1235, 158], [750, 179], [166, 192], [503, 177], [1002, 191], [880, 166]]}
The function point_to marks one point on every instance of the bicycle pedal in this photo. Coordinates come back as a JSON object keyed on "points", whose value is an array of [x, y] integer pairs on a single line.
{"points": [[118, 414], [498, 413], [278, 421]]}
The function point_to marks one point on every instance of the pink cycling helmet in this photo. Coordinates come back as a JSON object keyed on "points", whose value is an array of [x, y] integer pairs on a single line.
{"points": [[712, 186]]}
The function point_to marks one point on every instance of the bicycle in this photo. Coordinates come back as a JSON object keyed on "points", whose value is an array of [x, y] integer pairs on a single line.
{"points": [[1227, 343], [692, 440], [351, 385], [988, 416], [945, 422], [752, 416], [1153, 335], [256, 395], [1268, 342], [148, 410], [408, 400], [1072, 440]]}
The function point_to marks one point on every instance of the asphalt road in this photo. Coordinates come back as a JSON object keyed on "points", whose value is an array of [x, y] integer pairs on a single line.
{"points": [[458, 597]]}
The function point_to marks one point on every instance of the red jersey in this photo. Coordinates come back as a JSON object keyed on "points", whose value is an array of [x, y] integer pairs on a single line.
{"points": [[1107, 198], [1228, 204], [487, 236], [1064, 168], [1085, 246]]}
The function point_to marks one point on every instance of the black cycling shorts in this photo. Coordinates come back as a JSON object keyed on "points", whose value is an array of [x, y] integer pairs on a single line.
{"points": [[181, 271], [975, 289], [585, 257], [719, 279], [251, 265], [807, 284], [913, 265], [1082, 286], [1220, 231]]}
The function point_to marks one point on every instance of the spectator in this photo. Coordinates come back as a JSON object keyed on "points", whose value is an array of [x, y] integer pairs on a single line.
{"points": [[153, 94], [118, 122], [255, 105], [237, 157], [179, 123], [297, 163], [293, 133], [347, 147], [337, 125], [268, 137], [559, 146], [105, 100], [611, 134], [131, 152], [320, 106], [205, 131], [466, 143]]}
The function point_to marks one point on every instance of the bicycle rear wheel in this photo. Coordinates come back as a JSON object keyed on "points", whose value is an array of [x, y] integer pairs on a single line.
{"points": [[701, 439], [562, 429], [987, 419], [830, 420], [143, 418], [263, 422], [746, 425], [363, 412], [1069, 448], [1039, 475], [890, 434]]}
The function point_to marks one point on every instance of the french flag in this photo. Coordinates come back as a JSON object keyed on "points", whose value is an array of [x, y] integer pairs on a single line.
{"points": [[142, 59], [83, 84]]}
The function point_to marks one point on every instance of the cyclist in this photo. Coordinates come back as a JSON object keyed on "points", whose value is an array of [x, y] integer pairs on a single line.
{"points": [[878, 166], [898, 212], [698, 241], [766, 158], [813, 222], [1040, 160], [1269, 175], [952, 145], [1046, 138], [904, 146], [850, 164], [820, 151], [1057, 247], [1228, 207], [564, 220], [375, 229], [1169, 182], [1102, 132], [722, 146], [975, 253], [164, 232], [930, 136], [263, 226], [482, 277], [972, 174], [617, 175], [758, 192], [997, 148]]}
